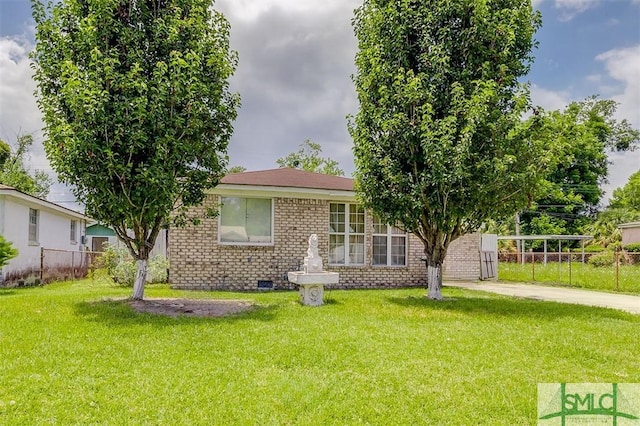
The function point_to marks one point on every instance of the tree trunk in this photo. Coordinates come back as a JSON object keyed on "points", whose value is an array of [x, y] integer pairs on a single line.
{"points": [[141, 277], [434, 280]]}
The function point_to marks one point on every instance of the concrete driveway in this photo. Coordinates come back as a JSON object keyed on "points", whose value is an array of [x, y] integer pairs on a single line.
{"points": [[556, 294]]}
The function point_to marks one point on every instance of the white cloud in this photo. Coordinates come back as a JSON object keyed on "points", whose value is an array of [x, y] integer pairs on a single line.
{"points": [[549, 99], [571, 8], [19, 112], [623, 65], [250, 10], [594, 78]]}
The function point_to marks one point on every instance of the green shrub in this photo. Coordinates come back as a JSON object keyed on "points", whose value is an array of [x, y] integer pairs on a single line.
{"points": [[6, 251], [602, 259], [615, 246], [122, 268], [632, 248], [593, 248]]}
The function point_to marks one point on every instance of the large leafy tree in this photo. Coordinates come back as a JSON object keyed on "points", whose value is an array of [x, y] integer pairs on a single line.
{"points": [[15, 173], [579, 136], [628, 197], [309, 158], [137, 108], [438, 141]]}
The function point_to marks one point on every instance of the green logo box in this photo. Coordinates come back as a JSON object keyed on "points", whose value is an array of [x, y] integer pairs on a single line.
{"points": [[583, 404]]}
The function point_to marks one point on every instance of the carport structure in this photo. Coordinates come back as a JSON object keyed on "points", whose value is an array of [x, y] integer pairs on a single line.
{"points": [[545, 238]]}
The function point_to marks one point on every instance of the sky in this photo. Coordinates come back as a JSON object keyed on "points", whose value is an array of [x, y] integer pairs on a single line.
{"points": [[296, 59]]}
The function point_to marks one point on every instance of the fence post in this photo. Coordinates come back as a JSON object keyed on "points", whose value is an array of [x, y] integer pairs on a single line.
{"points": [[569, 266], [41, 265], [617, 270], [73, 268], [533, 265]]}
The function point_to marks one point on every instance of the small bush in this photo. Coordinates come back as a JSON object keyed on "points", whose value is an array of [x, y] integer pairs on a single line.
{"points": [[7, 252], [593, 248], [122, 268], [602, 259], [632, 248]]}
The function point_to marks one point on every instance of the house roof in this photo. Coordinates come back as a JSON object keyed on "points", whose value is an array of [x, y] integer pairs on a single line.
{"points": [[289, 178], [629, 225], [30, 199]]}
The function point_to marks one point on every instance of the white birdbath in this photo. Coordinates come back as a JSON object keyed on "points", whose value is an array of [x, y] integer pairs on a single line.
{"points": [[312, 279]]}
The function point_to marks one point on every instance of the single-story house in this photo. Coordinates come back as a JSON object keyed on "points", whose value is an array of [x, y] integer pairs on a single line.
{"points": [[630, 232], [46, 235], [100, 236], [262, 231]]}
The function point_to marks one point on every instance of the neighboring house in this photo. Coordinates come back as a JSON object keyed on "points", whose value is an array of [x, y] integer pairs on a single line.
{"points": [[630, 232], [264, 224], [33, 225], [100, 236]]}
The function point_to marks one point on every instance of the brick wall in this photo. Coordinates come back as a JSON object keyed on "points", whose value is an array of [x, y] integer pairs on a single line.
{"points": [[198, 262], [463, 259]]}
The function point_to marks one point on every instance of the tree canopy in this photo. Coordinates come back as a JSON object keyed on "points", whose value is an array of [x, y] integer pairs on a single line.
{"points": [[628, 197], [15, 173], [137, 107], [309, 158], [438, 141], [578, 138]]}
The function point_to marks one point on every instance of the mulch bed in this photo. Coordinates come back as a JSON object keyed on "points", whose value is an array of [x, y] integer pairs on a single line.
{"points": [[191, 307]]}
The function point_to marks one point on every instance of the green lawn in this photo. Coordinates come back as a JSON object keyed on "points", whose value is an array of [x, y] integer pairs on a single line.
{"points": [[580, 275], [368, 357]]}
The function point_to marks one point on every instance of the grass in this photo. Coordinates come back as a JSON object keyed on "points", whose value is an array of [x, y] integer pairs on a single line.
{"points": [[580, 275], [67, 356]]}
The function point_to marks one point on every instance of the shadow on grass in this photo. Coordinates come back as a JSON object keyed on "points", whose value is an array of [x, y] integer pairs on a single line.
{"points": [[504, 306], [4, 292], [120, 313]]}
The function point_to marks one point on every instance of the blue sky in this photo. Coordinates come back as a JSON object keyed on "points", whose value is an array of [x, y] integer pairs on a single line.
{"points": [[296, 58]]}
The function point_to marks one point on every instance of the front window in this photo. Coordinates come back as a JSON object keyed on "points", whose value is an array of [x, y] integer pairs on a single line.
{"points": [[73, 232], [389, 244], [246, 220], [33, 226], [346, 234]]}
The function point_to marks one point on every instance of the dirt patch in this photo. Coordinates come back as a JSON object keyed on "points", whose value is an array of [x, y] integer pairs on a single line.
{"points": [[191, 307]]}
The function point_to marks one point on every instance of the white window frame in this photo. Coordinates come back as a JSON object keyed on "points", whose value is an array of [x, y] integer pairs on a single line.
{"points": [[388, 235], [34, 226], [246, 243], [73, 231], [348, 233]]}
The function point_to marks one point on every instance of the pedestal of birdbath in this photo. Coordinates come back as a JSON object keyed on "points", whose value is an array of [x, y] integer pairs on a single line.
{"points": [[312, 279], [311, 285]]}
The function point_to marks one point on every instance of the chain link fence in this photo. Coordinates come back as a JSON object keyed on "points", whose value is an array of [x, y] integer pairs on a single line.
{"points": [[609, 270]]}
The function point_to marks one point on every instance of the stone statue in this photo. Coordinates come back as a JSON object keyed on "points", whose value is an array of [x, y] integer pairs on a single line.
{"points": [[312, 251], [313, 262]]}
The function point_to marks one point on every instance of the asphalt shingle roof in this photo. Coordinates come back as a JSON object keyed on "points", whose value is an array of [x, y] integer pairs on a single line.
{"points": [[290, 178]]}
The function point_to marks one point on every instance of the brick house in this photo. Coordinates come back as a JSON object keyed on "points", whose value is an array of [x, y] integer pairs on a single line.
{"points": [[264, 224]]}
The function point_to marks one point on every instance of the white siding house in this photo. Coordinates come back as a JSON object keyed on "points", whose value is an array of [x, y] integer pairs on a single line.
{"points": [[630, 233], [32, 224]]}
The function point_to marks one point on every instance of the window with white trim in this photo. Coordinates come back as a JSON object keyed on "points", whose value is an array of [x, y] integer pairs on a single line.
{"points": [[389, 244], [246, 220], [73, 232], [33, 225], [346, 234]]}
